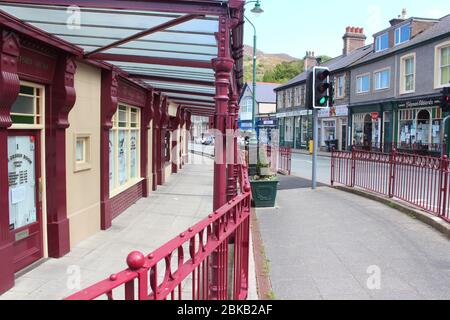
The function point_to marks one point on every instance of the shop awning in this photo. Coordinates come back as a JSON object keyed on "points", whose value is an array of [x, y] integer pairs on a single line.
{"points": [[168, 45]]}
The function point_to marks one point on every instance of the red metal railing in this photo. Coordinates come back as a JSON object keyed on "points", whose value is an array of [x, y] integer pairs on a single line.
{"points": [[280, 161], [422, 181], [217, 251]]}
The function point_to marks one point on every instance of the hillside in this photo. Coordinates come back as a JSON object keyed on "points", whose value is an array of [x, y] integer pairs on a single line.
{"points": [[266, 62]]}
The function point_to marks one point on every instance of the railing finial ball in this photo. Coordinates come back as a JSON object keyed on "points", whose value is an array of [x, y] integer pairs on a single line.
{"points": [[113, 277], [247, 188], [135, 260]]}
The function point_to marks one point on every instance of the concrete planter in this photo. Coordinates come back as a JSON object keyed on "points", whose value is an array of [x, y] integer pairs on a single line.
{"points": [[264, 193]]}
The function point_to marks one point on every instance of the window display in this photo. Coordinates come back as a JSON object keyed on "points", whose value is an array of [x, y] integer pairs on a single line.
{"points": [[124, 147]]}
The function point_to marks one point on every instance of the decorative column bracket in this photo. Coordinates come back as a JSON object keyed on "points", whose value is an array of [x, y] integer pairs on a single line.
{"points": [[10, 86], [57, 117], [109, 103]]}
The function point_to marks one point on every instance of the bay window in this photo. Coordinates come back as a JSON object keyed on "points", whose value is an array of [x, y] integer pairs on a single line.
{"points": [[124, 148]]}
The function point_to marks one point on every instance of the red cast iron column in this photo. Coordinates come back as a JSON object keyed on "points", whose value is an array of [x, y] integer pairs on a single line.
{"points": [[222, 67], [108, 109], [231, 140], [182, 137], [147, 114], [162, 141], [57, 121], [188, 134], [9, 90], [155, 137]]}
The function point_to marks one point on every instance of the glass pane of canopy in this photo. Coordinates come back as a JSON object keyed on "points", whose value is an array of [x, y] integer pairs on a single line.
{"points": [[193, 40]]}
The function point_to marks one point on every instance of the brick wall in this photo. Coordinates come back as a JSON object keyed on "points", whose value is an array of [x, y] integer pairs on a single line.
{"points": [[124, 200]]}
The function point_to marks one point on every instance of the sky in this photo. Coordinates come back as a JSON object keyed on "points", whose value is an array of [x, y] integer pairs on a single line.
{"points": [[293, 26]]}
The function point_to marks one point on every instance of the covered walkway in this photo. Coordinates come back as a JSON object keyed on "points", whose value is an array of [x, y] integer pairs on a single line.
{"points": [[182, 202]]}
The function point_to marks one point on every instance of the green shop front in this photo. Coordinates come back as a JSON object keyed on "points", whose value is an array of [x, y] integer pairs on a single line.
{"points": [[295, 128], [413, 125]]}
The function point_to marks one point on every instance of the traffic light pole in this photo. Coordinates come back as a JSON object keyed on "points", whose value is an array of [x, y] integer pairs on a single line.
{"points": [[315, 147]]}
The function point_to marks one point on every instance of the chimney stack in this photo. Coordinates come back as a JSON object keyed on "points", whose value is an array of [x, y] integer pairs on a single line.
{"points": [[310, 60], [354, 38]]}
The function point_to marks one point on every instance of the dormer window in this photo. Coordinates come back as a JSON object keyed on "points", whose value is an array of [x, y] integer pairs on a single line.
{"points": [[402, 34], [382, 42]]}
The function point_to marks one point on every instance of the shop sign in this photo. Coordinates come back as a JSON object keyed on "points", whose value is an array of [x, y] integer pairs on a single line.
{"points": [[337, 111], [294, 114], [419, 103], [375, 116]]}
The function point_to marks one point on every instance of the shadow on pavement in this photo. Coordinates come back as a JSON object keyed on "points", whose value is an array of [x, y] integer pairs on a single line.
{"points": [[291, 182]]}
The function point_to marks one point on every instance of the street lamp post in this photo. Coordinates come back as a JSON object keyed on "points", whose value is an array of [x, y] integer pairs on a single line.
{"points": [[257, 10]]}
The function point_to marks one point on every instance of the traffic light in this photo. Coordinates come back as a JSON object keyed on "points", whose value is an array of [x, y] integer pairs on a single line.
{"points": [[445, 99], [331, 94], [320, 87]]}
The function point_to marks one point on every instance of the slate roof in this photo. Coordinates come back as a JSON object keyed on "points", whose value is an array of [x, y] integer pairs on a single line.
{"points": [[335, 64], [441, 28], [264, 91]]}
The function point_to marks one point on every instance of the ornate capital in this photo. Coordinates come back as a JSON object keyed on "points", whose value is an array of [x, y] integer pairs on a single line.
{"points": [[9, 79], [148, 111], [110, 89], [64, 95]]}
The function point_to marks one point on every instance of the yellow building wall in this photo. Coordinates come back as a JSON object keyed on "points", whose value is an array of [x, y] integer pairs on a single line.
{"points": [[83, 187]]}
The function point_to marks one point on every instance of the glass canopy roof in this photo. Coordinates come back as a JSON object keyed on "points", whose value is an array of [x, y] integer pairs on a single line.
{"points": [[152, 41]]}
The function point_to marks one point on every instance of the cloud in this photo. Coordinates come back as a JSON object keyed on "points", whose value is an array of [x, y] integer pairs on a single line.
{"points": [[435, 13], [374, 21]]}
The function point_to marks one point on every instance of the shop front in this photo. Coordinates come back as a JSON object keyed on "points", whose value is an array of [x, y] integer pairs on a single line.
{"points": [[265, 127], [295, 128], [333, 128], [420, 128], [372, 127]]}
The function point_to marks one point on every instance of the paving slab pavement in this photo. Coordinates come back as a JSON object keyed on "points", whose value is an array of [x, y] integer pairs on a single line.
{"points": [[328, 244], [182, 202]]}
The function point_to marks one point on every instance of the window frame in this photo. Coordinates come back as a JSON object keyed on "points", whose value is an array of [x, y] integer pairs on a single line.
{"points": [[38, 99], [403, 74], [399, 30], [87, 151], [375, 80], [128, 128], [359, 77], [337, 95], [378, 42], [437, 65]]}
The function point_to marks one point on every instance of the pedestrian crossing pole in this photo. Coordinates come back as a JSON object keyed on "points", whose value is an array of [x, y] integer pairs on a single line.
{"points": [[315, 148]]}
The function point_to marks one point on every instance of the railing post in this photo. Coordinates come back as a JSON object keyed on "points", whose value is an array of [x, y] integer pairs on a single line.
{"points": [[392, 170], [444, 186], [332, 167], [352, 174]]}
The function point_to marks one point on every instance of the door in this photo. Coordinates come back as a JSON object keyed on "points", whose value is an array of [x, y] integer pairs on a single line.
{"points": [[344, 137], [25, 203]]}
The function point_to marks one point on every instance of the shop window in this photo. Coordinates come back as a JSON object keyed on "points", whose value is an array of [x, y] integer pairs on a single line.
{"points": [[382, 79], [124, 148], [82, 152], [407, 74], [358, 128], [420, 128], [28, 107], [289, 134], [306, 129], [329, 130]]}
